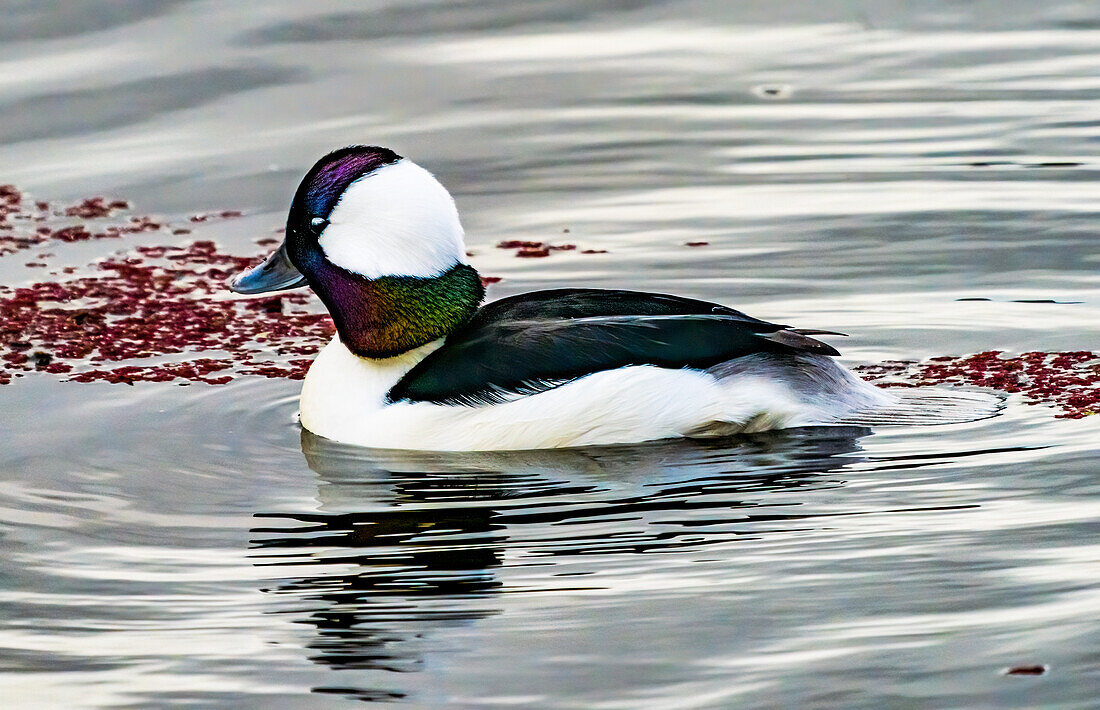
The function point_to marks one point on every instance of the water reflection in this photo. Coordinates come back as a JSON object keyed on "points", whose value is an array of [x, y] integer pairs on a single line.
{"points": [[404, 543]]}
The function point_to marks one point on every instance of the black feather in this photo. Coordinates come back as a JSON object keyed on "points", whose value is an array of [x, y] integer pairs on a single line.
{"points": [[591, 302], [537, 341]]}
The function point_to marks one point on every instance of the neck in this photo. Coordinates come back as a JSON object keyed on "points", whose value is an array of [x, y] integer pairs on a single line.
{"points": [[389, 315]]}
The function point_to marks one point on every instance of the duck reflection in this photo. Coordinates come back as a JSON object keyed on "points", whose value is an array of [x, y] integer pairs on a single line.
{"points": [[403, 544]]}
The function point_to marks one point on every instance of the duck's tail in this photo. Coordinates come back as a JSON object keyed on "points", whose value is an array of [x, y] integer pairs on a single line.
{"points": [[813, 389]]}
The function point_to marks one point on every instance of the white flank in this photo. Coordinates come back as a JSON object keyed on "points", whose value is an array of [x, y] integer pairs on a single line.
{"points": [[343, 399], [397, 220]]}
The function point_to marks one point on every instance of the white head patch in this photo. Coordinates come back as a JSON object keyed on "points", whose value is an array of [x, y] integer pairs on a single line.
{"points": [[396, 221]]}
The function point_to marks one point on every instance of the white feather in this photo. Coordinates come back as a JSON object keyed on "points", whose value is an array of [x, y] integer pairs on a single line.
{"points": [[343, 398], [397, 220]]}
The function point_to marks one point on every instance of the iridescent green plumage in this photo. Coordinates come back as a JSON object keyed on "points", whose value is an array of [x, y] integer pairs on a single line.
{"points": [[390, 315]]}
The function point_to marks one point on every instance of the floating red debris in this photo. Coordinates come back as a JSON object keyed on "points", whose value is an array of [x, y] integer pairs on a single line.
{"points": [[72, 234], [151, 302], [1026, 670], [486, 280], [11, 201], [1069, 380], [594, 251], [207, 216], [266, 305], [527, 249], [140, 311], [91, 208], [697, 244], [13, 206], [197, 370]]}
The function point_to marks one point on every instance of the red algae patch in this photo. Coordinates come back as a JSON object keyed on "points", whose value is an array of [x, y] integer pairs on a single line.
{"points": [[141, 311], [527, 249], [91, 208], [23, 224], [1069, 381], [224, 214]]}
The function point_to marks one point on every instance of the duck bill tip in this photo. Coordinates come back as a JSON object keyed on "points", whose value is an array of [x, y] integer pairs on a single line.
{"points": [[275, 273]]}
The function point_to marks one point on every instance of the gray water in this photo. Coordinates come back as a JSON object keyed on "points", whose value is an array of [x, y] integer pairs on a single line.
{"points": [[856, 166]]}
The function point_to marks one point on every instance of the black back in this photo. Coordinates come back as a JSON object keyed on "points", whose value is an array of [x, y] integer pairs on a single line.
{"points": [[533, 342]]}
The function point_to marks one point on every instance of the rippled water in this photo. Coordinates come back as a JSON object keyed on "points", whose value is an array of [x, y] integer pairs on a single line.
{"points": [[852, 165]]}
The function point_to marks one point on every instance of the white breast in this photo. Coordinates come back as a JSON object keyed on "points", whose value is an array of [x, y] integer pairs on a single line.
{"points": [[344, 399]]}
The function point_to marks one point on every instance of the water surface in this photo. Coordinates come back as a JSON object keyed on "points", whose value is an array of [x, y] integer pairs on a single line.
{"points": [[851, 166]]}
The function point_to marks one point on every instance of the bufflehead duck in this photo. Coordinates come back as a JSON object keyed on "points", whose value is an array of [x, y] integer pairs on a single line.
{"points": [[419, 363]]}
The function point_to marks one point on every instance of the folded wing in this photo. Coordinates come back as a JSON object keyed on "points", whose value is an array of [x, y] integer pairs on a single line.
{"points": [[534, 342]]}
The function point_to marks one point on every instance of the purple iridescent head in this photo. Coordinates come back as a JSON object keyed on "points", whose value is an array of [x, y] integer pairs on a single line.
{"points": [[368, 211], [326, 181], [379, 240], [317, 195]]}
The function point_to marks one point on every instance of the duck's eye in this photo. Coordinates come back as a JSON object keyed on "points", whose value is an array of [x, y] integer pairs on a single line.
{"points": [[317, 224]]}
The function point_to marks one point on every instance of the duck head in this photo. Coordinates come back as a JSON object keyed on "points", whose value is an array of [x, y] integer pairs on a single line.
{"points": [[378, 239]]}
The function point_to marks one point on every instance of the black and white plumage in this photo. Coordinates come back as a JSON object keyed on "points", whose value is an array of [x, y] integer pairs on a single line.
{"points": [[418, 362], [536, 341]]}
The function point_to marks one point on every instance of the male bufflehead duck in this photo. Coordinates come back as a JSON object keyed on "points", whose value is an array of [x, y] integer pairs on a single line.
{"points": [[419, 363]]}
